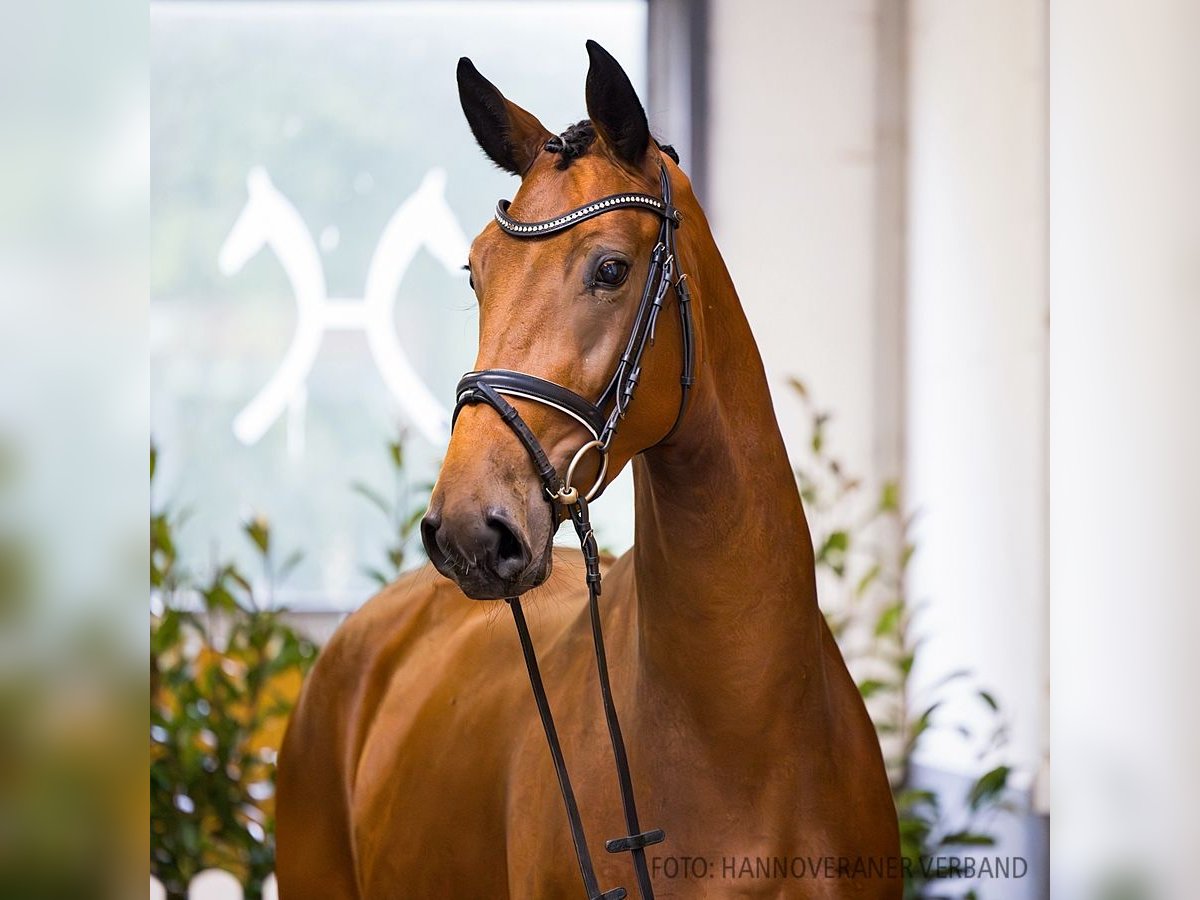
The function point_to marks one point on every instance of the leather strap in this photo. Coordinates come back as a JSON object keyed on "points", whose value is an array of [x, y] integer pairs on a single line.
{"points": [[683, 299], [530, 387], [578, 838], [636, 840]]}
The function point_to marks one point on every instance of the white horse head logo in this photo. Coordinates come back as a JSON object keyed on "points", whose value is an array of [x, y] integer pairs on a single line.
{"points": [[269, 220]]}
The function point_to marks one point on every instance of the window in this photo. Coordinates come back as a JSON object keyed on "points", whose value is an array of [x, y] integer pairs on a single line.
{"points": [[314, 189]]}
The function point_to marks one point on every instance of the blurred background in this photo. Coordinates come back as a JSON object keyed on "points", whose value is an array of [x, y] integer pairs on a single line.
{"points": [[966, 237]]}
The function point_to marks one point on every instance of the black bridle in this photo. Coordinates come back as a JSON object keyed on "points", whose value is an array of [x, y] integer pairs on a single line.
{"points": [[601, 420]]}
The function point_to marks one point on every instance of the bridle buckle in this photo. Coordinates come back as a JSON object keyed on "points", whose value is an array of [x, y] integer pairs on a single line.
{"points": [[566, 495]]}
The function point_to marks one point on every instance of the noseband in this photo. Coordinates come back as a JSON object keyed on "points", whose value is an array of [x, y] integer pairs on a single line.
{"points": [[601, 419]]}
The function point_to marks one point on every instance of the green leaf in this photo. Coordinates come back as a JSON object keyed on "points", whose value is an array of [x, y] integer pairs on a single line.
{"points": [[376, 499], [921, 724], [989, 785], [232, 573], [376, 576], [258, 530], [165, 631], [915, 829], [414, 518], [990, 700], [397, 451], [889, 619], [871, 686], [218, 599], [967, 838], [809, 493], [160, 534], [868, 579], [818, 433], [911, 798], [294, 559], [889, 497], [833, 551]]}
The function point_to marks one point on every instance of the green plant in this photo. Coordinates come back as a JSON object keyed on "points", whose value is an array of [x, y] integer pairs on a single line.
{"points": [[226, 669], [403, 506], [862, 547]]}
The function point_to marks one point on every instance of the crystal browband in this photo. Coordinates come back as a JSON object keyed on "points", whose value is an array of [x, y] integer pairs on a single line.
{"points": [[595, 208]]}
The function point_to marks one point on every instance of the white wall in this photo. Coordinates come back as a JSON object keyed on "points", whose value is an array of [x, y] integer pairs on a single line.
{"points": [[977, 345], [1125, 439], [791, 197]]}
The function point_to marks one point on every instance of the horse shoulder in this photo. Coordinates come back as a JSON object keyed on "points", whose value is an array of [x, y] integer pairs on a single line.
{"points": [[318, 758]]}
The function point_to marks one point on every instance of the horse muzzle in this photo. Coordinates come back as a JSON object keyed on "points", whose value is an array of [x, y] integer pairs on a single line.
{"points": [[486, 552]]}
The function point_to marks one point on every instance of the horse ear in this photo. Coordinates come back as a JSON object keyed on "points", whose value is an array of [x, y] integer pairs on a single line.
{"points": [[614, 108], [511, 137]]}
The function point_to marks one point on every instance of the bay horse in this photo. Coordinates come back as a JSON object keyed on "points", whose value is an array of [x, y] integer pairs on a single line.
{"points": [[414, 765]]}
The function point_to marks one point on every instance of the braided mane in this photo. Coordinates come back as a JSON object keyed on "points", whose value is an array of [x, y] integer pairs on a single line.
{"points": [[576, 139]]}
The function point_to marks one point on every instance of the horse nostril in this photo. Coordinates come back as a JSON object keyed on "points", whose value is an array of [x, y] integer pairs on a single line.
{"points": [[511, 556], [430, 524]]}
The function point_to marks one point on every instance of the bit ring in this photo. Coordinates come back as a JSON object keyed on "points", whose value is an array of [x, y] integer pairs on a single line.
{"points": [[568, 495]]}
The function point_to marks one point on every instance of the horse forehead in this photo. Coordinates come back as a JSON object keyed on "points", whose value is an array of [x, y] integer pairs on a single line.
{"points": [[528, 262], [547, 191]]}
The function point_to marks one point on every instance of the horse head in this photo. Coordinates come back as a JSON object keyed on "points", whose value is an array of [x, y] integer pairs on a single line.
{"points": [[560, 307]]}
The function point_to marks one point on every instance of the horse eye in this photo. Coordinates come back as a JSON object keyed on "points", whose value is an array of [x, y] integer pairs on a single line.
{"points": [[612, 272]]}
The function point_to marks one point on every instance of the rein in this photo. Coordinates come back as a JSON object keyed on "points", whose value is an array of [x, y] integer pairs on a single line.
{"points": [[601, 419]]}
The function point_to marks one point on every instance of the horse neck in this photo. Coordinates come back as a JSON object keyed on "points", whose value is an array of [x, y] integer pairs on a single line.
{"points": [[728, 623]]}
